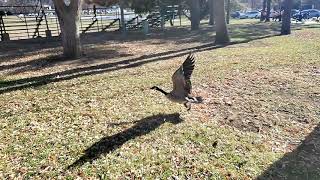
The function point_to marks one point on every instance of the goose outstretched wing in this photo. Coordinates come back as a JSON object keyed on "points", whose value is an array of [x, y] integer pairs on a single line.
{"points": [[181, 78]]}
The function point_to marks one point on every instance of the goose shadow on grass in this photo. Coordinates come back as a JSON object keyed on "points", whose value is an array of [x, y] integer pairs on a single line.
{"points": [[111, 143], [301, 163]]}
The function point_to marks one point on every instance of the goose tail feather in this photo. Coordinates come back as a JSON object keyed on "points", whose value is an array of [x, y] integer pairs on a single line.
{"points": [[196, 100]]}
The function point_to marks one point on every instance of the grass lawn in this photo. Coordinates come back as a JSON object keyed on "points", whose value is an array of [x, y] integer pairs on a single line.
{"points": [[96, 117]]}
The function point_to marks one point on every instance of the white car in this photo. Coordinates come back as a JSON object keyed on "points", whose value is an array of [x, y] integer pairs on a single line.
{"points": [[250, 15]]}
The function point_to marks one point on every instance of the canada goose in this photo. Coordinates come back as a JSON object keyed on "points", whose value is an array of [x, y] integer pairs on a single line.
{"points": [[182, 85]]}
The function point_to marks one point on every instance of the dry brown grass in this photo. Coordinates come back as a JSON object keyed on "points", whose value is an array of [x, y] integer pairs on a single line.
{"points": [[98, 114]]}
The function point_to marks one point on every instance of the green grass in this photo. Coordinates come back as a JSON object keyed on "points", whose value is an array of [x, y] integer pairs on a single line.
{"points": [[261, 100]]}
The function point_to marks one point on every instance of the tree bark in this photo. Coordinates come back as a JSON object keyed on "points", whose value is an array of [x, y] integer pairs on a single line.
{"points": [[263, 12], [268, 11], [286, 20], [222, 36], [280, 9], [123, 23], [69, 18], [211, 20], [195, 14], [228, 12]]}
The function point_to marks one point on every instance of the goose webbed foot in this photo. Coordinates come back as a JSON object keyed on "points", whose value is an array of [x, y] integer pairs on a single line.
{"points": [[187, 105]]}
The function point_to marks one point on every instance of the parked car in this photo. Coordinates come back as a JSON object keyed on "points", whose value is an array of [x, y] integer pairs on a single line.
{"points": [[308, 13], [250, 15], [294, 11], [32, 14], [313, 13], [274, 14], [9, 13], [235, 14]]}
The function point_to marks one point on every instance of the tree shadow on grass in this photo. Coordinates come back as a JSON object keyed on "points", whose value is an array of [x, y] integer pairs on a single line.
{"points": [[177, 35], [302, 163], [12, 85], [241, 32], [53, 60], [111, 143]]}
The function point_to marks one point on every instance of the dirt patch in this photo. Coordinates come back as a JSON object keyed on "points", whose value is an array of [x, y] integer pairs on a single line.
{"points": [[305, 35], [260, 101]]}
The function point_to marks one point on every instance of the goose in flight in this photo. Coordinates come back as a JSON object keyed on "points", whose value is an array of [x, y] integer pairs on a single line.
{"points": [[181, 92]]}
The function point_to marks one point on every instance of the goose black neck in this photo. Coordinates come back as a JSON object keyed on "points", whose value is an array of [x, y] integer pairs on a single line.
{"points": [[162, 91]]}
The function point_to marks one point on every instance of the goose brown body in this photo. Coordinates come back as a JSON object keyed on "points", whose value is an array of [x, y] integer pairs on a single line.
{"points": [[181, 92]]}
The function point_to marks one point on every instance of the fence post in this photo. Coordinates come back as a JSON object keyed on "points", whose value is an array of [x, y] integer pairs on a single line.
{"points": [[1, 30], [123, 24], [58, 29], [101, 20], [97, 24], [173, 14], [145, 25], [162, 22], [180, 9], [95, 16], [80, 23], [37, 28], [4, 35], [48, 32], [25, 21]]}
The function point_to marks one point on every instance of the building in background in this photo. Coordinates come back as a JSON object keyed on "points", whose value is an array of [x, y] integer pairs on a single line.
{"points": [[310, 4]]}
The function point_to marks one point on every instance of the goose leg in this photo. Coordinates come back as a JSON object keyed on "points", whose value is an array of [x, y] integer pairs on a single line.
{"points": [[187, 105]]}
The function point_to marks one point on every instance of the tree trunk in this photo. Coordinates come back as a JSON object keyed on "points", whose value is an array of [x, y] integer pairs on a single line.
{"points": [[263, 12], [123, 23], [70, 35], [280, 9], [222, 36], [211, 20], [228, 12], [69, 18], [180, 14], [268, 11], [286, 20], [195, 14]]}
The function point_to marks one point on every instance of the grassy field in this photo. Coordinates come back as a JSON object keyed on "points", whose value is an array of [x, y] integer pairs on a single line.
{"points": [[96, 117]]}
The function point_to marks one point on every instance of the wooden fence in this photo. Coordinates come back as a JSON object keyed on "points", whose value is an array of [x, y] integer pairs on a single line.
{"points": [[33, 22], [44, 23]]}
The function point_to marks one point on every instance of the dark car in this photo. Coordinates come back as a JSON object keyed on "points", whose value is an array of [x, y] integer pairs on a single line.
{"points": [[235, 14], [313, 13], [9, 13], [308, 13], [294, 11]]}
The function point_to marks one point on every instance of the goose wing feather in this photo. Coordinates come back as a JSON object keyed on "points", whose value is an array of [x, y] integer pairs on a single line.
{"points": [[181, 78]]}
